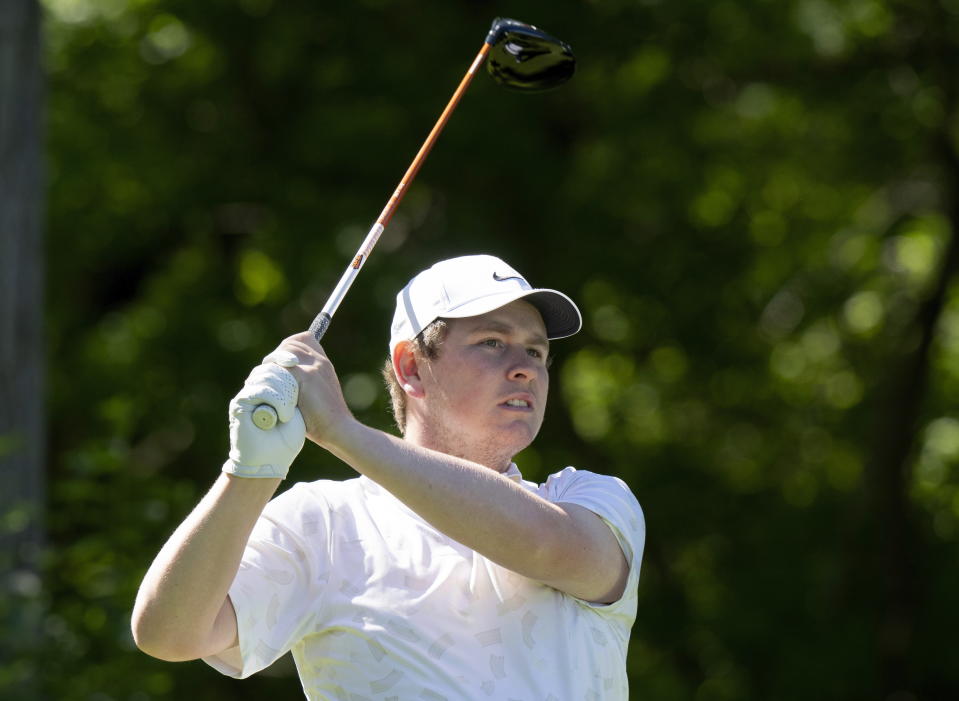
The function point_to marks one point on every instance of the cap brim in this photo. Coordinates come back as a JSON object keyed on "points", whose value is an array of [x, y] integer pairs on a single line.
{"points": [[560, 314]]}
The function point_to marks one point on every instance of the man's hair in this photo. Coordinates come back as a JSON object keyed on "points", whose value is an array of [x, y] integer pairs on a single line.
{"points": [[426, 346]]}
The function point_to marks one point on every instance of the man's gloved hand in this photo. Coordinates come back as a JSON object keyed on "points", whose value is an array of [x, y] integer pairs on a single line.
{"points": [[253, 451]]}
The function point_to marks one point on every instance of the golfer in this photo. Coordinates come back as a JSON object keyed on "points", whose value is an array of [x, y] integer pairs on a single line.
{"points": [[439, 572]]}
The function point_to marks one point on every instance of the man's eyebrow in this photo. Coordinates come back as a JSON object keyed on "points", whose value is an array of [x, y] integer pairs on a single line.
{"points": [[535, 339]]}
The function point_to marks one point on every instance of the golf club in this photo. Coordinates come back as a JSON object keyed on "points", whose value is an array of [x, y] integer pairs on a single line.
{"points": [[521, 57]]}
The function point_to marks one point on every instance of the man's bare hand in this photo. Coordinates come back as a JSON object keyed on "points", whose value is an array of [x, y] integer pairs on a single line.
{"points": [[321, 398]]}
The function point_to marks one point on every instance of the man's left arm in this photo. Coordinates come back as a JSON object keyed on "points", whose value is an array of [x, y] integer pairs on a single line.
{"points": [[564, 545]]}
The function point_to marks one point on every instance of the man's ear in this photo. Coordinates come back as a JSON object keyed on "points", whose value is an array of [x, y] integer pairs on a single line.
{"points": [[407, 370]]}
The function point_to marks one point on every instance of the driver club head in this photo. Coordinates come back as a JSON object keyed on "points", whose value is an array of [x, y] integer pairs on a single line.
{"points": [[526, 58]]}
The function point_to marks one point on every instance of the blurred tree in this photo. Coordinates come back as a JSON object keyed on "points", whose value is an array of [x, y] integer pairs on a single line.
{"points": [[22, 441], [754, 203]]}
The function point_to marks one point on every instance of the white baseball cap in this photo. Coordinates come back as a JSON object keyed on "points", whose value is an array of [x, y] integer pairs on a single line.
{"points": [[470, 286]]}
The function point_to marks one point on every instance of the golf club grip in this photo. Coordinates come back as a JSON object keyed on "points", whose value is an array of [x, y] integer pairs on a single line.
{"points": [[319, 326], [264, 416]]}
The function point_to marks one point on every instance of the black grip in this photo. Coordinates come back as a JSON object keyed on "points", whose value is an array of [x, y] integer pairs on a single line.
{"points": [[320, 324]]}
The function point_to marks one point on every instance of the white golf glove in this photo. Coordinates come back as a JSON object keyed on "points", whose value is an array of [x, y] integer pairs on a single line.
{"points": [[255, 452]]}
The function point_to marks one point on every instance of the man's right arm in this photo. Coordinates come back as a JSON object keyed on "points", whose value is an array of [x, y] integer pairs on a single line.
{"points": [[182, 610]]}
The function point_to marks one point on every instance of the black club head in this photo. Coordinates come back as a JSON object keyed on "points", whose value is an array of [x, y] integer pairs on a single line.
{"points": [[526, 58]]}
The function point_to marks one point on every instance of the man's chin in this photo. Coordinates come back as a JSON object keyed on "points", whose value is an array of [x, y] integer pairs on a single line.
{"points": [[519, 436]]}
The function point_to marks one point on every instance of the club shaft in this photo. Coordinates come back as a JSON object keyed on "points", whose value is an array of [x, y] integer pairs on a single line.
{"points": [[264, 415], [414, 168], [322, 321]]}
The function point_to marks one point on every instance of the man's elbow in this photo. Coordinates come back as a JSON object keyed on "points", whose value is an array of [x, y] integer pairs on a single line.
{"points": [[156, 642], [588, 579]]}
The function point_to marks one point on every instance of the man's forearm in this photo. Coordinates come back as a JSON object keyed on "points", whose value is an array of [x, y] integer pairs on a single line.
{"points": [[186, 586], [468, 502]]}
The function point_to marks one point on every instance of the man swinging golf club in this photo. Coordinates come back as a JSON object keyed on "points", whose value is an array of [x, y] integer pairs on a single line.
{"points": [[438, 573]]}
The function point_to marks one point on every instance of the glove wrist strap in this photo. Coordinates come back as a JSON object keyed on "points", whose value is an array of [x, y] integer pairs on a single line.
{"points": [[255, 471]]}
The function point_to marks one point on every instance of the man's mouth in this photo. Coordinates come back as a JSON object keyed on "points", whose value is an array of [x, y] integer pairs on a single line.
{"points": [[517, 403]]}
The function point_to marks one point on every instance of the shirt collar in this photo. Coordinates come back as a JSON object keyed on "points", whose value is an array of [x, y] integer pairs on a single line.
{"points": [[513, 473]]}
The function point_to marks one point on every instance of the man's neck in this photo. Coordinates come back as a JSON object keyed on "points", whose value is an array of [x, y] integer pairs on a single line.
{"points": [[440, 441]]}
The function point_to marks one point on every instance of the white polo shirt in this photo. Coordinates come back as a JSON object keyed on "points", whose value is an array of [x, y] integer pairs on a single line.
{"points": [[375, 603]]}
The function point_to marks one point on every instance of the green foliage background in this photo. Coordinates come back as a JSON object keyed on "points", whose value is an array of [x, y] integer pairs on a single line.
{"points": [[753, 201]]}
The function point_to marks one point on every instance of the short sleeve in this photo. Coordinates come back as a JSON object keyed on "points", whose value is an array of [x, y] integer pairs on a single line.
{"points": [[611, 499], [276, 592]]}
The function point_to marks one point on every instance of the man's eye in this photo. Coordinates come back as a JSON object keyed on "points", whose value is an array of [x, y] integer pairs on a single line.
{"points": [[533, 353], [491, 342]]}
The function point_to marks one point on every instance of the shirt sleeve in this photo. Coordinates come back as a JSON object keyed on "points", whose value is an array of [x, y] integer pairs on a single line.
{"points": [[611, 499], [276, 593]]}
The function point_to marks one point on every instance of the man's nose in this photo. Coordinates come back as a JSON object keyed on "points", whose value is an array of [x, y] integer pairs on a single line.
{"points": [[523, 367]]}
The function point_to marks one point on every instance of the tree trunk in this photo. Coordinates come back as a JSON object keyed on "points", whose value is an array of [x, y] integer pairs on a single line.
{"points": [[22, 485], [900, 547]]}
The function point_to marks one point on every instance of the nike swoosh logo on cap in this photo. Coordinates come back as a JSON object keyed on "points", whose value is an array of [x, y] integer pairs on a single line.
{"points": [[500, 278]]}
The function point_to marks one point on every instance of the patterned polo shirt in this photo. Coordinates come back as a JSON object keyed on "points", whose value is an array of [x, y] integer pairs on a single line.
{"points": [[375, 603]]}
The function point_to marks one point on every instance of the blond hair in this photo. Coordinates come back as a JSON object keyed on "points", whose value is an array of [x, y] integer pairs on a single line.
{"points": [[426, 347]]}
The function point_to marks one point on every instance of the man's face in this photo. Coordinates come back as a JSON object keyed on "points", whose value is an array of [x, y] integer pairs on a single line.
{"points": [[485, 395]]}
